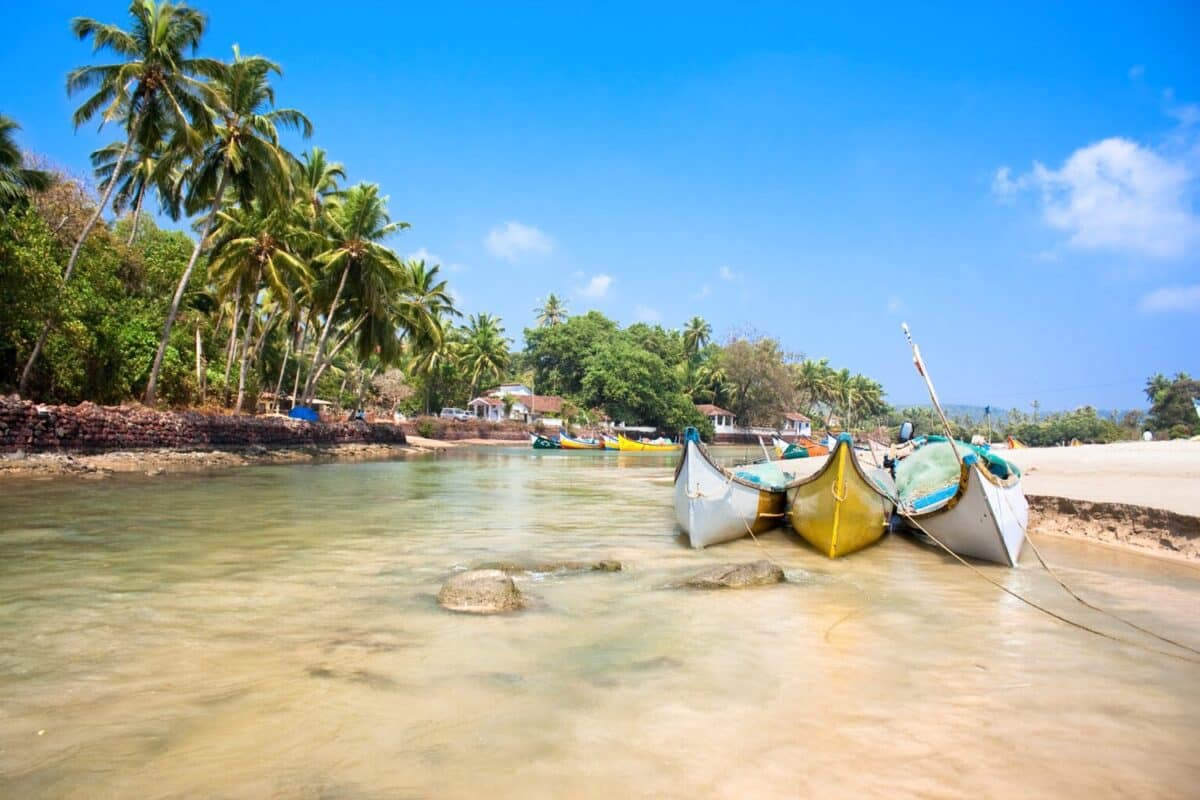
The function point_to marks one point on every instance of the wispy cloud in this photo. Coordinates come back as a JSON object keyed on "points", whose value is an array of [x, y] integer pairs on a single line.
{"points": [[895, 305], [1171, 298], [422, 254], [1136, 71], [597, 287], [1118, 195], [647, 314], [704, 291], [512, 241], [727, 274]]}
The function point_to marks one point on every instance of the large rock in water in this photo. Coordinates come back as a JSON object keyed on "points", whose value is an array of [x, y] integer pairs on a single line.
{"points": [[481, 591], [736, 576]]}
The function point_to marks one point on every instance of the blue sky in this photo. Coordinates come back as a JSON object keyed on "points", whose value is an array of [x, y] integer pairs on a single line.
{"points": [[1019, 184]]}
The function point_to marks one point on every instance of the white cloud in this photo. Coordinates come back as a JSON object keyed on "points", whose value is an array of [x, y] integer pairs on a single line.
{"points": [[704, 291], [727, 274], [1115, 195], [1171, 298], [512, 240], [1136, 71], [597, 287], [430, 259], [895, 305], [647, 314]]}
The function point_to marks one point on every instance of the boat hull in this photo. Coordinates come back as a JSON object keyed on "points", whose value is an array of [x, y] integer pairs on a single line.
{"points": [[986, 518], [711, 506], [628, 445], [610, 443], [841, 509], [579, 444], [543, 443]]}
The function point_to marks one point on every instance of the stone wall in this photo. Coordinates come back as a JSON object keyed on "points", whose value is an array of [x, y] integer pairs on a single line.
{"points": [[451, 429], [31, 427]]}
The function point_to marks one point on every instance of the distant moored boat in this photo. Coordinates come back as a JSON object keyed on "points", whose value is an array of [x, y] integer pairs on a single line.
{"points": [[543, 442]]}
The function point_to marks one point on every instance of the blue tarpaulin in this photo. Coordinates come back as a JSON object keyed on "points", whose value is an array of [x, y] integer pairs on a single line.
{"points": [[305, 413]]}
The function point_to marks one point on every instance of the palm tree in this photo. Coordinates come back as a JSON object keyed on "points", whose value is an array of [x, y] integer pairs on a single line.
{"points": [[485, 351], [15, 179], [151, 90], [253, 249], [357, 226], [813, 383], [552, 312], [316, 182], [140, 173], [243, 155], [696, 334]]}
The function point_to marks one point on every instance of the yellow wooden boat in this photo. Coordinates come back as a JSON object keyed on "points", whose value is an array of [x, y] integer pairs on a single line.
{"points": [[629, 445], [571, 443], [842, 507]]}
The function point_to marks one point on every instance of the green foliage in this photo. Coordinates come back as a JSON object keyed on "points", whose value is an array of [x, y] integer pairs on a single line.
{"points": [[760, 383], [426, 428], [558, 352], [1172, 407]]}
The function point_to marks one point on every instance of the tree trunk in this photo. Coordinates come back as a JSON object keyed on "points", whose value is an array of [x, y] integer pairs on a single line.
{"points": [[231, 348], [299, 363], [315, 376], [245, 350], [310, 384], [70, 270], [287, 351], [362, 387], [199, 366], [137, 216], [152, 384]]}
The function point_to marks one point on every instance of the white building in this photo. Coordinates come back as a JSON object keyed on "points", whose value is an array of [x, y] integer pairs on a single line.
{"points": [[526, 406], [722, 420], [795, 424]]}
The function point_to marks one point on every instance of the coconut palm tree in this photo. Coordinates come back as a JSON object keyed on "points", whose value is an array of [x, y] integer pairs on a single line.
{"points": [[139, 174], [813, 383], [485, 351], [254, 250], [696, 334], [316, 183], [16, 180], [153, 90], [243, 156], [551, 312], [356, 256]]}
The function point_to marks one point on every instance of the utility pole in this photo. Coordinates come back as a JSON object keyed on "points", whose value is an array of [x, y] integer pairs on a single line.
{"points": [[1036, 405]]}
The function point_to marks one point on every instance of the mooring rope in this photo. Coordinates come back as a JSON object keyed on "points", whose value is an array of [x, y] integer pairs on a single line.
{"points": [[1042, 608]]}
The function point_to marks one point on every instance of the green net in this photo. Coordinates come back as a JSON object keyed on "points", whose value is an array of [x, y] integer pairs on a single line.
{"points": [[768, 476], [926, 475]]}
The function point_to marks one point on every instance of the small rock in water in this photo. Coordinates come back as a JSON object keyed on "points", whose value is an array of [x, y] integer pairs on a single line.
{"points": [[480, 591], [736, 576]]}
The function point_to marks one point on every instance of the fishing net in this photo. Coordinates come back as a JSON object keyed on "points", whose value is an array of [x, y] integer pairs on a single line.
{"points": [[933, 469], [768, 476]]}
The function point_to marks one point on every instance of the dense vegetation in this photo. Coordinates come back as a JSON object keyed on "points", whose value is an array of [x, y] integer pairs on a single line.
{"points": [[289, 288]]}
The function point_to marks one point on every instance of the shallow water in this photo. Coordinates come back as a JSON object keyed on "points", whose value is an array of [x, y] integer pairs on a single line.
{"points": [[273, 632]]}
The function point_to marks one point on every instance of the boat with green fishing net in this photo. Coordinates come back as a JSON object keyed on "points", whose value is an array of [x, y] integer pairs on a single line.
{"points": [[964, 497]]}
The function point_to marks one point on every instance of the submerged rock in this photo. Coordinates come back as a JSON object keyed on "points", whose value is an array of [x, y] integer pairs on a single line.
{"points": [[736, 576], [481, 591]]}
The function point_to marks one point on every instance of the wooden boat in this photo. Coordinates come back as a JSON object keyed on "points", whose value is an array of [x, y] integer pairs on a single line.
{"points": [[571, 443], [843, 507], [543, 442], [629, 445], [979, 511], [801, 448], [714, 504], [610, 442]]}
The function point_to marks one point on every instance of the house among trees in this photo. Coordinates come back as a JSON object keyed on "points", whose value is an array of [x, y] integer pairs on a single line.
{"points": [[722, 420], [521, 403], [796, 424]]}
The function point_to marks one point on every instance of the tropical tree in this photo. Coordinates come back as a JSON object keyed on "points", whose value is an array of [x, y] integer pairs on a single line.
{"points": [[813, 381], [696, 334], [551, 312], [243, 156], [356, 256], [16, 180], [153, 89], [485, 350], [253, 250], [140, 173]]}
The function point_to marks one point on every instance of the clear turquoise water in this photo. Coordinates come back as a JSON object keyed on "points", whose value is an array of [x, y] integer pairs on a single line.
{"points": [[273, 632]]}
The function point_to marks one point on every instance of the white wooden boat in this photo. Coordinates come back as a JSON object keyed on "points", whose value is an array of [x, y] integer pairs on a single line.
{"points": [[983, 515], [714, 504]]}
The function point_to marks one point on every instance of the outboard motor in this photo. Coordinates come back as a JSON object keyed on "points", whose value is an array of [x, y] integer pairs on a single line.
{"points": [[905, 436]]}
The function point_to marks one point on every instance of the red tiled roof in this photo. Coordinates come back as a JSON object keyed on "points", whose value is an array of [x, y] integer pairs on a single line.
{"points": [[491, 401], [544, 403], [709, 410], [796, 417]]}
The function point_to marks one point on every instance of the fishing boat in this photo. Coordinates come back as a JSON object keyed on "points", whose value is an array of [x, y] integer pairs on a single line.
{"points": [[571, 443], [543, 442], [965, 497], [626, 444], [801, 448], [610, 442], [843, 507], [714, 504]]}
